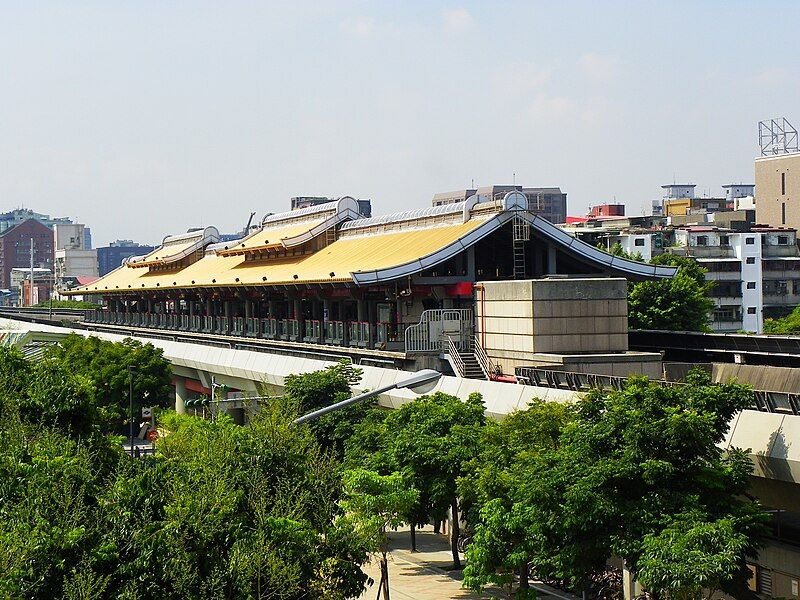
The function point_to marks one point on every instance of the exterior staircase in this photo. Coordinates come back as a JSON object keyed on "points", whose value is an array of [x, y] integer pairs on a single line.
{"points": [[472, 368], [465, 363]]}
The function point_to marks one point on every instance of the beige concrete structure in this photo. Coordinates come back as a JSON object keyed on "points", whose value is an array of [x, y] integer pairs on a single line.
{"points": [[563, 323], [778, 190]]}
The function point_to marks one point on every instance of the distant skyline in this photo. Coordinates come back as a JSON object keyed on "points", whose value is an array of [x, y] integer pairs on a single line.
{"points": [[144, 119]]}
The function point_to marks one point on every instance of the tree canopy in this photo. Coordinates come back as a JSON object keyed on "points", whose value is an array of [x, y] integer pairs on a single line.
{"points": [[220, 511], [680, 303], [625, 470], [785, 325], [105, 365]]}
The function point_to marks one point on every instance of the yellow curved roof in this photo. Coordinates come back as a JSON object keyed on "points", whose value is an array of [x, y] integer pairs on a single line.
{"points": [[270, 237], [162, 254], [334, 263]]}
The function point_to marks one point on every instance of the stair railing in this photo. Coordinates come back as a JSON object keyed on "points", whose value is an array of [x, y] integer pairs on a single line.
{"points": [[487, 366], [455, 357]]}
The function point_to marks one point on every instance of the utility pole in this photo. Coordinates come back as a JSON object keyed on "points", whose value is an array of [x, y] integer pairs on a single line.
{"points": [[131, 369], [30, 288]]}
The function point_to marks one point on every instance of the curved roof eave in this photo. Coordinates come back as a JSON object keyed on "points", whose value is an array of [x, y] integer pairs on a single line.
{"points": [[588, 252], [347, 214], [433, 259], [546, 229]]}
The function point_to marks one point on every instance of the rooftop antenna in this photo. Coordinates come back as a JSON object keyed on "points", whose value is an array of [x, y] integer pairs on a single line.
{"points": [[249, 222], [514, 178], [777, 136]]}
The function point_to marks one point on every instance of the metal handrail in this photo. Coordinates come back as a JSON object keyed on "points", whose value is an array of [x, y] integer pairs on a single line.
{"points": [[417, 337], [452, 350], [487, 366]]}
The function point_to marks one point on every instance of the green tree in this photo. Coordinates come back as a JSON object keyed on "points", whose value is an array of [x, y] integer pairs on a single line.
{"points": [[694, 557], [680, 303], [630, 464], [317, 389], [372, 503], [221, 511], [431, 440], [502, 544], [105, 364], [785, 325]]}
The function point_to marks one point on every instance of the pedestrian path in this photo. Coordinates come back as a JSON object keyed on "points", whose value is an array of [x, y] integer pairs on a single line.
{"points": [[425, 574]]}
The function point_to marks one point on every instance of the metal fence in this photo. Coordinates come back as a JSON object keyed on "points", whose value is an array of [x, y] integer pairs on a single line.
{"points": [[427, 335]]}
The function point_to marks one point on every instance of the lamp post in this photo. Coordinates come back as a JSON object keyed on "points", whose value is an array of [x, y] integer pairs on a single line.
{"points": [[421, 382], [131, 370]]}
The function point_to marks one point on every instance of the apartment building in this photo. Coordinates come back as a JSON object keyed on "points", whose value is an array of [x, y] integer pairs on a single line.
{"points": [[756, 270]]}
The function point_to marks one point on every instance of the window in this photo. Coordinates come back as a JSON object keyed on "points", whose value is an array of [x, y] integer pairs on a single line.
{"points": [[751, 285], [725, 313], [751, 260], [702, 240], [783, 240], [783, 183], [751, 310], [783, 213], [724, 240], [750, 241], [638, 242]]}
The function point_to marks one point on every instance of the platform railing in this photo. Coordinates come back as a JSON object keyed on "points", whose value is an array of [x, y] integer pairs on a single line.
{"points": [[334, 332], [282, 329], [455, 358], [487, 366], [269, 328], [427, 335], [238, 326]]}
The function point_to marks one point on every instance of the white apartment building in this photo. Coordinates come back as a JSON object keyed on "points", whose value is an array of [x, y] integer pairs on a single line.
{"points": [[72, 258], [756, 272]]}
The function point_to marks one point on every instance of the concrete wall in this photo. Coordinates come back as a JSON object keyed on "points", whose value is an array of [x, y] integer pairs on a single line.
{"points": [[515, 319], [771, 197]]}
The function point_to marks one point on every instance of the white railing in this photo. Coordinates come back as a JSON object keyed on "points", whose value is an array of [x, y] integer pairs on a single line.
{"points": [[455, 358], [487, 366], [426, 336]]}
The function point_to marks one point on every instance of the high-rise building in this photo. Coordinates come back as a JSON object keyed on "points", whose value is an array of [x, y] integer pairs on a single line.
{"points": [[20, 215], [72, 258], [110, 257], [778, 190], [15, 248], [547, 202]]}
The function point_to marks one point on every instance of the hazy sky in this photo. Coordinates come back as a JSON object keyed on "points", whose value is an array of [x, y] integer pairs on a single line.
{"points": [[145, 118]]}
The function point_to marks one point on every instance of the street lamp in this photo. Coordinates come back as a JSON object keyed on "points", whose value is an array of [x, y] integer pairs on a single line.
{"points": [[420, 382], [131, 370]]}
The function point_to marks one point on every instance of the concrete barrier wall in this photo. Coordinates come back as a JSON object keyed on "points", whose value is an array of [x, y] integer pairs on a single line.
{"points": [[516, 319]]}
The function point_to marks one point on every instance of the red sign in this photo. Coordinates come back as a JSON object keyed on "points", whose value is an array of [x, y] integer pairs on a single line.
{"points": [[462, 288]]}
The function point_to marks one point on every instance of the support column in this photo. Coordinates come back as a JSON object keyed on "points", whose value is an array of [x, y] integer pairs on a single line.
{"points": [[180, 395], [551, 259], [325, 317], [361, 310], [630, 587], [372, 317]]}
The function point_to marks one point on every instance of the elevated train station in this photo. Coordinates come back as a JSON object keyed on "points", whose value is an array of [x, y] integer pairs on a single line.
{"points": [[401, 283]]}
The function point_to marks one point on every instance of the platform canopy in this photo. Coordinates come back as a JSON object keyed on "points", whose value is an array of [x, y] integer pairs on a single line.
{"points": [[331, 244]]}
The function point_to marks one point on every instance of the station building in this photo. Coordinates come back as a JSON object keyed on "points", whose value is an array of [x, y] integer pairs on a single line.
{"points": [[404, 283]]}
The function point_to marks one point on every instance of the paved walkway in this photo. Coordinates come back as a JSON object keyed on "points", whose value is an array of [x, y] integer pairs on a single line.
{"points": [[424, 574]]}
